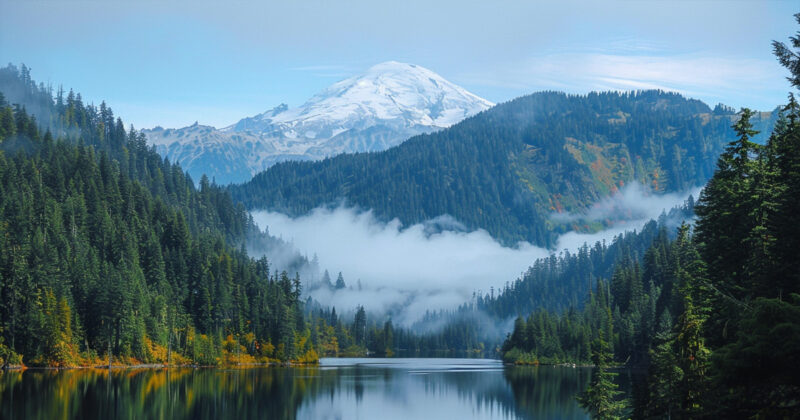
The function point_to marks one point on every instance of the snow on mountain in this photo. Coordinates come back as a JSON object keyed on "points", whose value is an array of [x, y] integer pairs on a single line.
{"points": [[376, 110]]}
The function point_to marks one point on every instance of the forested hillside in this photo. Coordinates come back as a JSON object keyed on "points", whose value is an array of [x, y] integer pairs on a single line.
{"points": [[109, 251], [712, 316], [509, 168], [559, 284], [565, 280], [110, 254]]}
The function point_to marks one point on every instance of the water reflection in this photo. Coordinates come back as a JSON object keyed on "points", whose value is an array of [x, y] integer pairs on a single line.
{"points": [[338, 389]]}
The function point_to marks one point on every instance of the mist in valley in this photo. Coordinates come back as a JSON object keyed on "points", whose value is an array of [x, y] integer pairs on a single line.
{"points": [[404, 271]]}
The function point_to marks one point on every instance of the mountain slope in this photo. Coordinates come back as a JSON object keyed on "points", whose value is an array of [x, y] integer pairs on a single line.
{"points": [[508, 169], [109, 251], [376, 110]]}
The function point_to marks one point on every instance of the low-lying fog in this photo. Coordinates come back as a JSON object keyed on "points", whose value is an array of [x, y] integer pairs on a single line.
{"points": [[409, 269]]}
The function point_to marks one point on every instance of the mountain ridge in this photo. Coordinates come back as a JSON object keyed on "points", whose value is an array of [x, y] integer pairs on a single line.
{"points": [[373, 111], [506, 170]]}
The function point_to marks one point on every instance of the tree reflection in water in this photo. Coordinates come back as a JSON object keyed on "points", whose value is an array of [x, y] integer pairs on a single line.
{"points": [[365, 388]]}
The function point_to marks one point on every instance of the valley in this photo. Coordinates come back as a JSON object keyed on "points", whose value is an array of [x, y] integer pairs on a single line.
{"points": [[607, 239]]}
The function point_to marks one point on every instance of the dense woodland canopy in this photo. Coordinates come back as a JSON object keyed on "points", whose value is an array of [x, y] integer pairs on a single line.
{"points": [[714, 315], [109, 249], [560, 283], [564, 280], [86, 201], [110, 252], [509, 168]]}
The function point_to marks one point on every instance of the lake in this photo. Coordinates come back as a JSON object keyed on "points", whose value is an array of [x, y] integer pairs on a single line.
{"points": [[384, 389]]}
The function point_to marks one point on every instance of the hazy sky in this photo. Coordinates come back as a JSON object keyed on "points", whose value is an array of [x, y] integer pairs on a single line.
{"points": [[174, 62]]}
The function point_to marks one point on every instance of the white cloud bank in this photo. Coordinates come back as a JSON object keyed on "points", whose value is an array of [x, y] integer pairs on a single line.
{"points": [[411, 270]]}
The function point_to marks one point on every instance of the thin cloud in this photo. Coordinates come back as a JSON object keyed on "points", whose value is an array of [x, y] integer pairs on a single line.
{"points": [[628, 66]]}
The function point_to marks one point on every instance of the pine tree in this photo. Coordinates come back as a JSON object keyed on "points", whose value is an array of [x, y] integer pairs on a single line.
{"points": [[388, 338], [600, 399], [661, 396], [360, 327], [326, 280], [788, 58], [724, 222], [784, 220], [340, 282], [755, 368]]}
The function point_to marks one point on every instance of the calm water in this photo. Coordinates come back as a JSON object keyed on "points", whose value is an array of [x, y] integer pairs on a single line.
{"points": [[383, 389]]}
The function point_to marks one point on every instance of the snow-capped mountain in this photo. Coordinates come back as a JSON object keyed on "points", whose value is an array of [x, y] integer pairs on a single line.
{"points": [[379, 109]]}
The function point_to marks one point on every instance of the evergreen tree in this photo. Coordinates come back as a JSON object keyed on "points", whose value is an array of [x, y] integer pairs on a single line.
{"points": [[326, 280], [109, 251], [360, 327], [600, 399], [724, 222], [788, 58], [340, 282]]}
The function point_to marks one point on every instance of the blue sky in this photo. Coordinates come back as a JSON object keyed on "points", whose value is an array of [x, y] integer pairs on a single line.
{"points": [[173, 62]]}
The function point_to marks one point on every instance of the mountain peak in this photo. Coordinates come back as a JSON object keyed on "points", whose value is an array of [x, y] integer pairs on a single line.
{"points": [[390, 64], [398, 68], [372, 111], [391, 92]]}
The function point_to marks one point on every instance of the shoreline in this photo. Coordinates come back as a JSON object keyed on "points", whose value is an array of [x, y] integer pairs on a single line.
{"points": [[154, 366], [569, 365], [22, 368]]}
